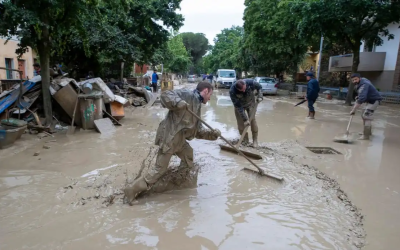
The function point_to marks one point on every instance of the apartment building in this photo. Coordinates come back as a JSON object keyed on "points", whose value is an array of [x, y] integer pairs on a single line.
{"points": [[380, 64], [9, 59]]}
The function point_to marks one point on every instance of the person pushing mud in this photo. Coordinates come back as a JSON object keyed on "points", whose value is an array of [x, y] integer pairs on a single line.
{"points": [[242, 96], [173, 133]]}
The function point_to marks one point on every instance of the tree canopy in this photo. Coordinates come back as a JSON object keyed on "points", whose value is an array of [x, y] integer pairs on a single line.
{"points": [[94, 32], [225, 52], [197, 45], [177, 58], [271, 42]]}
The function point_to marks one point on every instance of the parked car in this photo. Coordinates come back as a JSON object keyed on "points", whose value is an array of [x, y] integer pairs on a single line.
{"points": [[192, 78], [268, 84]]}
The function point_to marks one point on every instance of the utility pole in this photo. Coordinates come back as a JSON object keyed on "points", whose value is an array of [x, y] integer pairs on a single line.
{"points": [[320, 56]]}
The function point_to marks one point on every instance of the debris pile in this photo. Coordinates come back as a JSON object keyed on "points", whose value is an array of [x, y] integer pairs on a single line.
{"points": [[74, 104]]}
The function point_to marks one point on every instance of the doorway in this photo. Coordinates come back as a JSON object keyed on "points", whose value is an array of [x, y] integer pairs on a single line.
{"points": [[21, 67]]}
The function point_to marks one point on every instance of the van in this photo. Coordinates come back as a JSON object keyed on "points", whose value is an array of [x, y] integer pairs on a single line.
{"points": [[225, 78]]}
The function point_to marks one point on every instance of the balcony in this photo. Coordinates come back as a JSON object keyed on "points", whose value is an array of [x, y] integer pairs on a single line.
{"points": [[369, 61]]}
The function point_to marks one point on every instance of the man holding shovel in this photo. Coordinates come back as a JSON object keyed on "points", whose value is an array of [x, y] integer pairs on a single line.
{"points": [[367, 94], [242, 96], [173, 133]]}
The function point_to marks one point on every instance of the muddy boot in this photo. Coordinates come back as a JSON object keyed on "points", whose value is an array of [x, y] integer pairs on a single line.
{"points": [[312, 115], [133, 191], [308, 116], [245, 141], [255, 140]]}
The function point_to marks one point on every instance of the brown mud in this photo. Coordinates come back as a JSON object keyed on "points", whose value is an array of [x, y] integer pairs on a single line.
{"points": [[72, 198]]}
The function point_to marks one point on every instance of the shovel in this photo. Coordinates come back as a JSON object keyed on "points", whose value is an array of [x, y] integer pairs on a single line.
{"points": [[71, 129], [260, 170], [345, 137]]}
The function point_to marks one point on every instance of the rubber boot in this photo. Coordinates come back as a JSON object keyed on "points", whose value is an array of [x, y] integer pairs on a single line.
{"points": [[245, 141], [255, 140], [133, 191], [312, 115]]}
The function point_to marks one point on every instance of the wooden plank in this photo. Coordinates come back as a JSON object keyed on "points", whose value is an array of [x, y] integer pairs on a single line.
{"points": [[104, 126]]}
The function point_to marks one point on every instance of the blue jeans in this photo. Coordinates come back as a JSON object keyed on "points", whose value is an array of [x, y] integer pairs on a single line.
{"points": [[311, 105]]}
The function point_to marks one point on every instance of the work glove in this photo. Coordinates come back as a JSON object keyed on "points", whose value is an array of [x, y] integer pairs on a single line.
{"points": [[182, 105], [216, 133], [246, 123], [352, 112], [259, 99]]}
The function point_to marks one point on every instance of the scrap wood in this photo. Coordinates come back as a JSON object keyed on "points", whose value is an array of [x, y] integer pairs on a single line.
{"points": [[39, 128], [112, 118]]}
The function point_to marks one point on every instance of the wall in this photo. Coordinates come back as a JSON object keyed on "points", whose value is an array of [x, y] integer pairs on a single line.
{"points": [[391, 47], [8, 51]]}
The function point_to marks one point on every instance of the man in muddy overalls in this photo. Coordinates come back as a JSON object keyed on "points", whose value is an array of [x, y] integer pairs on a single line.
{"points": [[367, 94], [172, 133], [243, 98]]}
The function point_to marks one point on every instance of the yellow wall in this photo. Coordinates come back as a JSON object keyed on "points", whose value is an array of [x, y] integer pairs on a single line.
{"points": [[311, 59], [8, 51]]}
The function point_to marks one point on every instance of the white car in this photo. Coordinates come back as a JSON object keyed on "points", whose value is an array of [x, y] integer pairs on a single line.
{"points": [[268, 84]]}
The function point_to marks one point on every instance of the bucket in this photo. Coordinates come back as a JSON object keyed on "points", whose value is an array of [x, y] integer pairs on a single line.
{"points": [[86, 106], [87, 88]]}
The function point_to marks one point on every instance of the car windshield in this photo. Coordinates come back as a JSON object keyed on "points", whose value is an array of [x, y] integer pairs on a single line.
{"points": [[227, 74], [267, 80]]}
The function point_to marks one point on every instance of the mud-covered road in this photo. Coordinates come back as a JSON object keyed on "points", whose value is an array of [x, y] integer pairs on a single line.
{"points": [[69, 196]]}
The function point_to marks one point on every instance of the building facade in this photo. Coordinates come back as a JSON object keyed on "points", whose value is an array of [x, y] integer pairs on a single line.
{"points": [[380, 64], [9, 59]]}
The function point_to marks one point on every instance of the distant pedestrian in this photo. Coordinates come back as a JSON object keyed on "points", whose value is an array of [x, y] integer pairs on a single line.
{"points": [[312, 93], [210, 78], [154, 81]]}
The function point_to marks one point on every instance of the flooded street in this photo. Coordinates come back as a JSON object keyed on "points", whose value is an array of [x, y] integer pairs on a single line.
{"points": [[60, 198]]}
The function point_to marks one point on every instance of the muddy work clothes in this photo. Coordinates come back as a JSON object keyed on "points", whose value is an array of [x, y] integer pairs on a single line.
{"points": [[368, 94], [240, 121], [174, 131], [245, 100], [311, 105], [312, 93]]}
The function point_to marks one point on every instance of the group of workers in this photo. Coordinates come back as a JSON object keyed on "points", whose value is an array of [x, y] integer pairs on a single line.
{"points": [[179, 126]]}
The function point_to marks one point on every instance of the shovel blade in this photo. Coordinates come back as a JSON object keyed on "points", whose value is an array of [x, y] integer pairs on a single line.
{"points": [[246, 153]]}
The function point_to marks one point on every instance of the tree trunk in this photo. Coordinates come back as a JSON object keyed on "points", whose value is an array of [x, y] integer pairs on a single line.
{"points": [[43, 46], [354, 68]]}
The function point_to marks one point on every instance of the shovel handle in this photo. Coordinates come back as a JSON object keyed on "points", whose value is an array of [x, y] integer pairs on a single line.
{"points": [[260, 170]]}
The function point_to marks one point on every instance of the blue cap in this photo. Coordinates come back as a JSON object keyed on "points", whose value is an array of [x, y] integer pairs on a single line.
{"points": [[311, 74]]}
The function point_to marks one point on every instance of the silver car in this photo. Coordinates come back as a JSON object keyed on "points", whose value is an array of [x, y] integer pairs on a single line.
{"points": [[192, 78], [268, 84]]}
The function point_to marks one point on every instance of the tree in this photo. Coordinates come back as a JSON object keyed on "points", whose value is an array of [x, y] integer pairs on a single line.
{"points": [[197, 45], [177, 58], [347, 22], [225, 52], [131, 35], [105, 31], [271, 40]]}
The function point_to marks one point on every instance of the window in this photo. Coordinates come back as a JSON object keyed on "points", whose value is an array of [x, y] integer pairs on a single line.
{"points": [[9, 65]]}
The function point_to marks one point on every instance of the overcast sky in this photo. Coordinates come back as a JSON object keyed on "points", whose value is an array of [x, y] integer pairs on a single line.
{"points": [[211, 16]]}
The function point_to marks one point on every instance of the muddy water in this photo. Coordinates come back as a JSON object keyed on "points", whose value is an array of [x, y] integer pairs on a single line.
{"points": [[61, 198]]}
